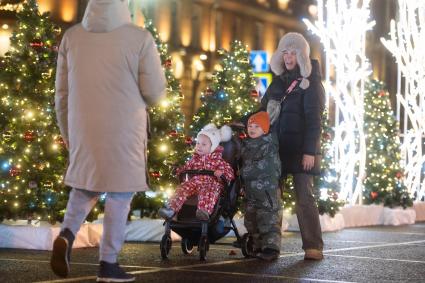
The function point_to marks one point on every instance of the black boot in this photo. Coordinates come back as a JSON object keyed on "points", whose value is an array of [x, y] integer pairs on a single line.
{"points": [[61, 254], [112, 272], [268, 254], [254, 252]]}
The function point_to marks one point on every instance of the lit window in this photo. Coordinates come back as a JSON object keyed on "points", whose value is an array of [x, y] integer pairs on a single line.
{"points": [[283, 4]]}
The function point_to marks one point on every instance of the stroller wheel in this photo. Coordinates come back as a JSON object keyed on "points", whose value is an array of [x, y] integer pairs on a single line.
{"points": [[246, 245], [187, 246], [203, 247], [165, 246]]}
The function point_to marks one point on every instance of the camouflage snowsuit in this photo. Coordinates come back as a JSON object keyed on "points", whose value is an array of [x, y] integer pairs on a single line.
{"points": [[263, 208]]}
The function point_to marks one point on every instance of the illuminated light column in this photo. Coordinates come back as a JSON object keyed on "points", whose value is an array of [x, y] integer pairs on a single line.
{"points": [[45, 5], [407, 44], [68, 10], [163, 20], [5, 35], [269, 42], [343, 34], [185, 9], [205, 29]]}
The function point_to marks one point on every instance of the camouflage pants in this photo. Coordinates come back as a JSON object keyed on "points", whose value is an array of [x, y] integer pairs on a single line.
{"points": [[263, 218]]}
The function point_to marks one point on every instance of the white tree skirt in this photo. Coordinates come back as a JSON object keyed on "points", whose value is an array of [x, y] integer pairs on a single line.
{"points": [[40, 235], [372, 215], [327, 223]]}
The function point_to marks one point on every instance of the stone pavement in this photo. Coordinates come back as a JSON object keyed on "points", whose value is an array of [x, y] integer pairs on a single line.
{"points": [[366, 254]]}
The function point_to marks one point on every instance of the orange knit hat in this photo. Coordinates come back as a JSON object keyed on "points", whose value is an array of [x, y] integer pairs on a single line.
{"points": [[262, 119]]}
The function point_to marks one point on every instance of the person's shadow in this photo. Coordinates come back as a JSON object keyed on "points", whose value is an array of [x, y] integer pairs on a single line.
{"points": [[298, 270], [302, 269]]}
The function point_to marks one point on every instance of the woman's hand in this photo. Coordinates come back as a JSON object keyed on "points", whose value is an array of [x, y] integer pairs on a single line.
{"points": [[308, 162]]}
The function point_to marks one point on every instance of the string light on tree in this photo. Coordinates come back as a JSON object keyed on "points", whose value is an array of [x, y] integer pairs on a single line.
{"points": [[343, 34], [406, 43], [12, 7]]}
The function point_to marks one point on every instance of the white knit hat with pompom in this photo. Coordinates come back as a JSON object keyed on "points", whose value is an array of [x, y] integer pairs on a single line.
{"points": [[216, 135]]}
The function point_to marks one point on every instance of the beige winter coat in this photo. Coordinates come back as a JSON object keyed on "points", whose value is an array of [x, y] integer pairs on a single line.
{"points": [[108, 71]]}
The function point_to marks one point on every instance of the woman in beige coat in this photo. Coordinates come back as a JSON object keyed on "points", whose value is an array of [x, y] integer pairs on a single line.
{"points": [[108, 72]]}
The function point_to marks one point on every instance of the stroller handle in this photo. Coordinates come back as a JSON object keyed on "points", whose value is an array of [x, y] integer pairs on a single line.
{"points": [[202, 172], [237, 126], [198, 172]]}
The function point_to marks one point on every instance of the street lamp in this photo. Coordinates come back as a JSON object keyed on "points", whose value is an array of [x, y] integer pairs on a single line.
{"points": [[197, 69], [5, 34]]}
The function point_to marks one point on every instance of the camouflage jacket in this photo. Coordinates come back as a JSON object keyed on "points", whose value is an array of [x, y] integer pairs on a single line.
{"points": [[260, 163]]}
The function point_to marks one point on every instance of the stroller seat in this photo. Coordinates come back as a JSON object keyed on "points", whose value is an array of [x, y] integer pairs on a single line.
{"points": [[201, 233]]}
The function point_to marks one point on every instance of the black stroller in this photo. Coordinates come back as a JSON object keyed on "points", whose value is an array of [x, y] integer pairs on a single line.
{"points": [[203, 233]]}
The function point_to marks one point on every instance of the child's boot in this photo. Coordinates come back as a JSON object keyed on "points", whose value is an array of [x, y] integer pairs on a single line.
{"points": [[268, 254], [61, 253]]}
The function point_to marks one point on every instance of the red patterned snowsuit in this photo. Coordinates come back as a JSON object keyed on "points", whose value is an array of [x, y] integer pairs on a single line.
{"points": [[208, 188]]}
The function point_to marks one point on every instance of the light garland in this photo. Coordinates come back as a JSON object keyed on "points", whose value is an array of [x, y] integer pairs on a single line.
{"points": [[343, 35], [407, 44], [11, 7]]}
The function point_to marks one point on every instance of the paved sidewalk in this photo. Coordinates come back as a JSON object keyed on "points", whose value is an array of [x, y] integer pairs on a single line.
{"points": [[367, 254]]}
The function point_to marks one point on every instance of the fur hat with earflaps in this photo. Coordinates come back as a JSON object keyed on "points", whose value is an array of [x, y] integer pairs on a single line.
{"points": [[216, 135], [293, 41]]}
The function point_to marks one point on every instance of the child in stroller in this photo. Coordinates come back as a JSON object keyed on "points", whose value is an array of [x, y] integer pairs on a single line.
{"points": [[210, 206]]}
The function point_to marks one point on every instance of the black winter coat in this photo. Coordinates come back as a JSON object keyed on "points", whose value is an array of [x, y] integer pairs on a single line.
{"points": [[299, 125]]}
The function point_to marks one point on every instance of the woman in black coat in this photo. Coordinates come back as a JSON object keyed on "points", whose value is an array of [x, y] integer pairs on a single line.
{"points": [[295, 101]]}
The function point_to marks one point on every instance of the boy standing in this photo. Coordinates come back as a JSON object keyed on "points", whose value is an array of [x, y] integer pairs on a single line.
{"points": [[261, 172]]}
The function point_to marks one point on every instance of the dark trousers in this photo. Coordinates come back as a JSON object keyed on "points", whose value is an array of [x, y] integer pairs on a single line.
{"points": [[307, 212]]}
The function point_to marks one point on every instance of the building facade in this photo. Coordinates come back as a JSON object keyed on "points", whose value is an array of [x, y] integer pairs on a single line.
{"points": [[196, 29]]}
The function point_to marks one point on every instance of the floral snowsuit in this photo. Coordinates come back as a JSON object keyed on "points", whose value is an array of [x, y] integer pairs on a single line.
{"points": [[208, 188]]}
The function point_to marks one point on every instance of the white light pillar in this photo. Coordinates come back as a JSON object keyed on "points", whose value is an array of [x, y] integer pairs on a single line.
{"points": [[342, 27], [407, 44]]}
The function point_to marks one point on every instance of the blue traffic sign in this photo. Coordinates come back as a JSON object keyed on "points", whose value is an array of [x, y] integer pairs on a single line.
{"points": [[258, 60]]}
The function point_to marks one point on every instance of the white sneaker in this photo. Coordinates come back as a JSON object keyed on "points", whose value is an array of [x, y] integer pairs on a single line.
{"points": [[166, 213]]}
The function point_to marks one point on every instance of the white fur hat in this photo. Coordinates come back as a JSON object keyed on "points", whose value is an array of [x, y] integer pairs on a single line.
{"points": [[216, 135], [293, 41]]}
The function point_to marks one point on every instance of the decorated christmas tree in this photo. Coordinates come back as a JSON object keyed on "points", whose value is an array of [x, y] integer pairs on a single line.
{"points": [[384, 180], [325, 185], [231, 94], [32, 154], [167, 146]]}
